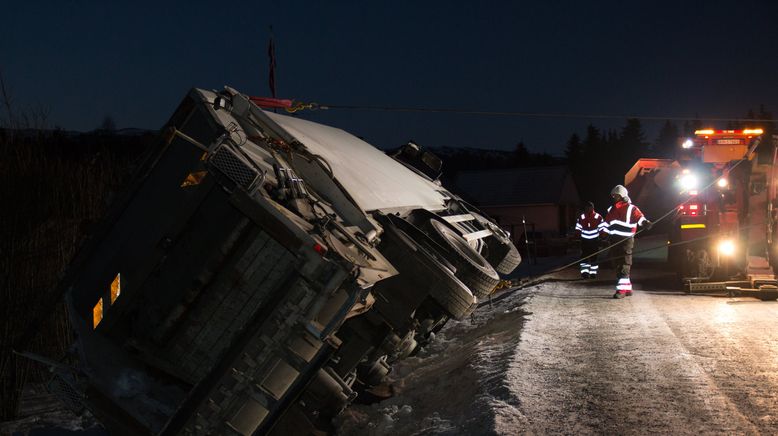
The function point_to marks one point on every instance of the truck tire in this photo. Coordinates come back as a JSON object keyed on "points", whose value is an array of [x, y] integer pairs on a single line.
{"points": [[472, 269], [456, 300], [500, 251], [503, 256], [429, 266]]}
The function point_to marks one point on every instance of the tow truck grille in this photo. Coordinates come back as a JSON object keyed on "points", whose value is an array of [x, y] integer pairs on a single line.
{"points": [[234, 168]]}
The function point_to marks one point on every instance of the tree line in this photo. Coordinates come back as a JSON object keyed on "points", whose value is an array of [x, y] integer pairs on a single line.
{"points": [[599, 159]]}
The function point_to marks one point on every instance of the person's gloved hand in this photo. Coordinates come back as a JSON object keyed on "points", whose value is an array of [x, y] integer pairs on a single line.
{"points": [[647, 225]]}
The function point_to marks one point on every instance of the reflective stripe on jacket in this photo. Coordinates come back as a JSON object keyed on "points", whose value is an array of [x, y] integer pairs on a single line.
{"points": [[623, 219], [589, 227]]}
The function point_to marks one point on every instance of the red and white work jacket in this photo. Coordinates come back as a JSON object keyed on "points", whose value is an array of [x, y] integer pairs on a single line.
{"points": [[589, 226], [623, 219]]}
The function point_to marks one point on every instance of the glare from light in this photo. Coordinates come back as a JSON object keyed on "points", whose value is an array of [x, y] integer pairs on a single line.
{"points": [[689, 182], [727, 247], [687, 144], [753, 131], [704, 132], [722, 182], [725, 314]]}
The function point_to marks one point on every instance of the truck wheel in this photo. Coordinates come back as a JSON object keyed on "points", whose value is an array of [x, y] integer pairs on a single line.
{"points": [[429, 268], [472, 269], [500, 252], [504, 257], [455, 298]]}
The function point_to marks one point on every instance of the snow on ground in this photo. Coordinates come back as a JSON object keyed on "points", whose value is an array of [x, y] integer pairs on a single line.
{"points": [[452, 386], [564, 357]]}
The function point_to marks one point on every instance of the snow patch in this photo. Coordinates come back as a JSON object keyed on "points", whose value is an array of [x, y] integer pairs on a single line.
{"points": [[456, 384]]}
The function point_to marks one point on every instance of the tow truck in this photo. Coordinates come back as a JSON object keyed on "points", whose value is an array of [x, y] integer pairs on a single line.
{"points": [[720, 194]]}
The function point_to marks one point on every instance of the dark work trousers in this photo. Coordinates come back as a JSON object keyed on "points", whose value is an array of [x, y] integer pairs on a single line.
{"points": [[621, 255], [589, 264]]}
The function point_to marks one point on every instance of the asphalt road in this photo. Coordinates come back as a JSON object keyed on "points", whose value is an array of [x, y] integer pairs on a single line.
{"points": [[660, 361]]}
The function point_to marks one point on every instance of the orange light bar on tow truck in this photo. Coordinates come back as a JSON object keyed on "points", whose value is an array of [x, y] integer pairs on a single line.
{"points": [[729, 132], [720, 146]]}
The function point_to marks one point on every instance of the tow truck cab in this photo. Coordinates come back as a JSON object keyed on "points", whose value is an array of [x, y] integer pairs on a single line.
{"points": [[722, 235]]}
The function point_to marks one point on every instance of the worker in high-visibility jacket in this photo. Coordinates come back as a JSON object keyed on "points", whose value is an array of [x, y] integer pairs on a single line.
{"points": [[622, 220], [588, 227]]}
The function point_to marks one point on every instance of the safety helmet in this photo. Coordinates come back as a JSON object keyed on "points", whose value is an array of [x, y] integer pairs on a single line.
{"points": [[621, 191]]}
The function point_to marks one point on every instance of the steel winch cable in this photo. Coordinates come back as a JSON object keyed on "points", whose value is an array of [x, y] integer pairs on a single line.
{"points": [[293, 106]]}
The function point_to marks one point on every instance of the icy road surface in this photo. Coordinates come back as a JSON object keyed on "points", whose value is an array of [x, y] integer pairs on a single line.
{"points": [[565, 358]]}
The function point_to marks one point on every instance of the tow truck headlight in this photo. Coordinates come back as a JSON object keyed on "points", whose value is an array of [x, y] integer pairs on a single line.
{"points": [[727, 247], [689, 181], [687, 144], [722, 182]]}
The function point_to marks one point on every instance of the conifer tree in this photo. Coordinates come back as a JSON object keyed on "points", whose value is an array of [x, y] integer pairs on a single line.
{"points": [[521, 154], [574, 150], [633, 143], [667, 140]]}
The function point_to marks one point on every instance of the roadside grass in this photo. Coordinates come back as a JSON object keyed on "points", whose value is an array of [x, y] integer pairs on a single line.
{"points": [[53, 187]]}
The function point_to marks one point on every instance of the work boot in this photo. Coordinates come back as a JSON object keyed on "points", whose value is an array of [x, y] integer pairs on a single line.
{"points": [[618, 295], [624, 286]]}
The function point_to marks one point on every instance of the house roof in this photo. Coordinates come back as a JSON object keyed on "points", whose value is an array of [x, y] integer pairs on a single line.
{"points": [[518, 186]]}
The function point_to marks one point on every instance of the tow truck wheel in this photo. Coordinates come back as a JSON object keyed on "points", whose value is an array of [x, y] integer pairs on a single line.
{"points": [[698, 264], [768, 293], [705, 265], [472, 269]]}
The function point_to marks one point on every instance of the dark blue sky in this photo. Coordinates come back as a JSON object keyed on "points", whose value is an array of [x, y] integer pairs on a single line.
{"points": [[134, 61]]}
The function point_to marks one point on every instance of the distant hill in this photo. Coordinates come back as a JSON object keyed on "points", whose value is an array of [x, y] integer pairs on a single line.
{"points": [[462, 159]]}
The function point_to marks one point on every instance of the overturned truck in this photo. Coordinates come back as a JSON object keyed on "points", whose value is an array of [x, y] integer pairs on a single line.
{"points": [[263, 271]]}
